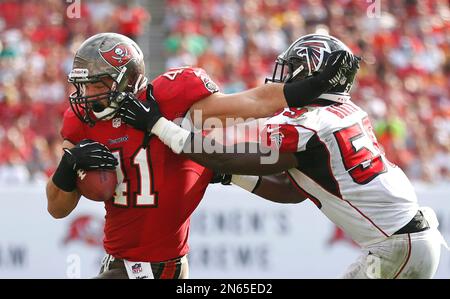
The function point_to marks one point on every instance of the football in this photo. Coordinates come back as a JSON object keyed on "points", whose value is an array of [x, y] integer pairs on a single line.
{"points": [[97, 185]]}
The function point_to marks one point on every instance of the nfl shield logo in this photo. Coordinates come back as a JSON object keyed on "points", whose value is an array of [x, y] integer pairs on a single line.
{"points": [[136, 268], [116, 122]]}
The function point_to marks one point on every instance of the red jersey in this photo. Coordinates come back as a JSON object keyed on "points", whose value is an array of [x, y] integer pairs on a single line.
{"points": [[148, 218]]}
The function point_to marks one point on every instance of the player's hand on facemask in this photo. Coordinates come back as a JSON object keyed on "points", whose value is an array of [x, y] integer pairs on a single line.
{"points": [[86, 155], [337, 66], [138, 114]]}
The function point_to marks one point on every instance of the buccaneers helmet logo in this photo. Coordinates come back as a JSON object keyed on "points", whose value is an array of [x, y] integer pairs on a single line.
{"points": [[119, 55], [314, 52]]}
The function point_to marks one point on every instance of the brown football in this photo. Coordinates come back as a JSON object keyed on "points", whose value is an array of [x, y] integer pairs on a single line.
{"points": [[97, 185]]}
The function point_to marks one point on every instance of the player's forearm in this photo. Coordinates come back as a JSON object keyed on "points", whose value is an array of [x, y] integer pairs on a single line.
{"points": [[59, 202], [239, 163], [278, 188], [270, 98], [304, 92], [239, 158], [262, 101], [259, 102]]}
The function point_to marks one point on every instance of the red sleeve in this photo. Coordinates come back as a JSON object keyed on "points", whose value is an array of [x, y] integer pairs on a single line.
{"points": [[178, 89], [72, 128]]}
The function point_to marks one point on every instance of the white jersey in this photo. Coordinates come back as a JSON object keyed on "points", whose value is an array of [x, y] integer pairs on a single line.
{"points": [[343, 170]]}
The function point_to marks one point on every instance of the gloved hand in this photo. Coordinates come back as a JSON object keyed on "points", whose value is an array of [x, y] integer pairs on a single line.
{"points": [[89, 155], [224, 179], [305, 92], [86, 155], [138, 114], [337, 66]]}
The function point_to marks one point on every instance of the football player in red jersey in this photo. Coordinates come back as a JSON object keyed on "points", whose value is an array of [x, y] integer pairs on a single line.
{"points": [[147, 221]]}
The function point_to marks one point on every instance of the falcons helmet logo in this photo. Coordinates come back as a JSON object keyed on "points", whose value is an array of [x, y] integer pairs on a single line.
{"points": [[314, 52]]}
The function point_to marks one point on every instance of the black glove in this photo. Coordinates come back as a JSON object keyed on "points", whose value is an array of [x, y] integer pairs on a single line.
{"points": [[336, 67], [305, 92], [224, 179], [140, 115], [86, 155]]}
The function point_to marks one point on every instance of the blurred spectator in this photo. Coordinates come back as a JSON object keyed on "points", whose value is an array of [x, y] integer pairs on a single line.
{"points": [[130, 19]]}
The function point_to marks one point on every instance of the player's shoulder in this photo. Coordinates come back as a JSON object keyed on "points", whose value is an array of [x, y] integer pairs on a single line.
{"points": [[289, 116], [314, 117], [178, 89], [183, 72], [342, 110], [179, 79], [73, 129], [340, 115], [70, 118]]}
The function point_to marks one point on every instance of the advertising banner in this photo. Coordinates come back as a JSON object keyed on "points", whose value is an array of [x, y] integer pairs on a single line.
{"points": [[234, 234]]}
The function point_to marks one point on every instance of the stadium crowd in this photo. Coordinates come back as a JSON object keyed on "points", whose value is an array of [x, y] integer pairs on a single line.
{"points": [[403, 81]]}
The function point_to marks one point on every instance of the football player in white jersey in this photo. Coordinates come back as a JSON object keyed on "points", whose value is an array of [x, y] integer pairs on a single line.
{"points": [[329, 154]]}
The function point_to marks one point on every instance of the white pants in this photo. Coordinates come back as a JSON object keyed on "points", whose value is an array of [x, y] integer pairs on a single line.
{"points": [[404, 256]]}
